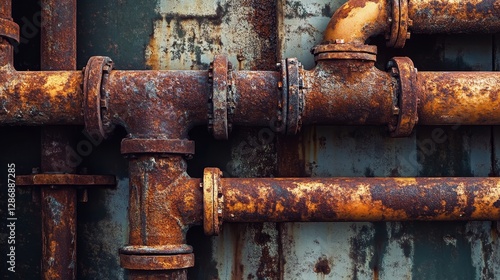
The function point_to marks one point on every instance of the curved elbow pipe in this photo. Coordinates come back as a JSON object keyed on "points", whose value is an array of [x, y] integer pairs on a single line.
{"points": [[356, 21]]}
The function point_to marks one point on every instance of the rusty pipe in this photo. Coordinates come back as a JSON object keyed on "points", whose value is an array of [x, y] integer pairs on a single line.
{"points": [[454, 16], [164, 203], [348, 199], [58, 206], [355, 21], [40, 98], [348, 92], [465, 98], [9, 33]]}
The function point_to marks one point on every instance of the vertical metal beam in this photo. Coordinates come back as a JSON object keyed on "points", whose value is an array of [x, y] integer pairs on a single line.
{"points": [[58, 52]]}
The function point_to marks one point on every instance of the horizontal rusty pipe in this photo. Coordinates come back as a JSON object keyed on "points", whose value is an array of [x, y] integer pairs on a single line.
{"points": [[357, 20], [352, 199], [40, 98], [454, 16], [256, 97], [348, 92], [170, 103], [467, 98], [151, 103]]}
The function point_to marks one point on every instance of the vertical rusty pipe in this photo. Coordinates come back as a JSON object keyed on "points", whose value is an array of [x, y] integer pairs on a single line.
{"points": [[160, 203], [58, 52], [358, 199], [6, 49], [449, 98], [58, 35], [452, 16], [58, 207]]}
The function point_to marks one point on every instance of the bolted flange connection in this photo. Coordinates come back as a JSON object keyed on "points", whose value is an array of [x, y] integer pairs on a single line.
{"points": [[403, 70], [212, 213], [399, 24], [95, 102], [291, 103], [220, 102]]}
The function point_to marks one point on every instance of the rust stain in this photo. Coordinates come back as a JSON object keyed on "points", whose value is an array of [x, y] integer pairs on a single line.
{"points": [[264, 21], [322, 266]]}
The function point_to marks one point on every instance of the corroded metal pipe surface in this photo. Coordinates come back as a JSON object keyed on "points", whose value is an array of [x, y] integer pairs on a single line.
{"points": [[256, 97], [149, 103], [348, 93], [40, 98], [468, 98], [164, 202], [357, 20], [58, 35], [454, 16], [58, 52], [359, 199], [58, 207]]}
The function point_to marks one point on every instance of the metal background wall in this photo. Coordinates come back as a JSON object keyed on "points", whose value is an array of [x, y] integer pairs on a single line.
{"points": [[255, 34]]}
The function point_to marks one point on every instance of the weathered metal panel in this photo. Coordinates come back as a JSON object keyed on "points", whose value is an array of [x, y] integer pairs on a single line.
{"points": [[188, 34]]}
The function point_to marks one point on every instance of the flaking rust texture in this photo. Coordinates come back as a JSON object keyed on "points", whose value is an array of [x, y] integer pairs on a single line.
{"points": [[189, 36]]}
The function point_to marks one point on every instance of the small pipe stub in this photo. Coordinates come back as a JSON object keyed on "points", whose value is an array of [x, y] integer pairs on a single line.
{"points": [[220, 75], [94, 101], [404, 71], [212, 212]]}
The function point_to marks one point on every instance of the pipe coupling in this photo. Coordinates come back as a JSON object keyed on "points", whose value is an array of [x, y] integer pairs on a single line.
{"points": [[291, 101], [403, 70], [95, 102], [220, 102]]}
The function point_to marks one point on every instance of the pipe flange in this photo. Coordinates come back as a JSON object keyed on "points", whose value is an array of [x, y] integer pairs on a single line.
{"points": [[156, 262], [220, 76], [404, 71], [156, 250], [295, 96], [399, 27], [212, 210], [9, 29], [280, 123], [157, 146], [345, 51], [95, 102]]}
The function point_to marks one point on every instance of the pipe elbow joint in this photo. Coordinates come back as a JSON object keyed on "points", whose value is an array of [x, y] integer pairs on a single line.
{"points": [[358, 20]]}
